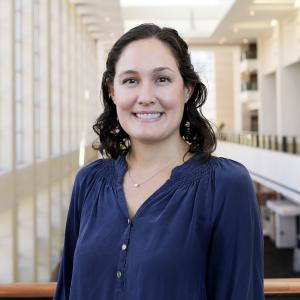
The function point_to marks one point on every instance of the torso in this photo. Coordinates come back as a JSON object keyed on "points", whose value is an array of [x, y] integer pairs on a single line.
{"points": [[135, 197]]}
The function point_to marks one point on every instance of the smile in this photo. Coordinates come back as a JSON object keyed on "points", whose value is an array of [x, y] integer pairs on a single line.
{"points": [[148, 116]]}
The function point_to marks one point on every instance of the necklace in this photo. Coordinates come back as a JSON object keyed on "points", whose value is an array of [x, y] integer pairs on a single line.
{"points": [[136, 185]]}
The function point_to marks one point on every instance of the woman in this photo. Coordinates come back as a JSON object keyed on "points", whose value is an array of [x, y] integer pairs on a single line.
{"points": [[160, 218]]}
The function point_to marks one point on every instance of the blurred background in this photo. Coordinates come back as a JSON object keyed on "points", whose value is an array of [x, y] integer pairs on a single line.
{"points": [[52, 56]]}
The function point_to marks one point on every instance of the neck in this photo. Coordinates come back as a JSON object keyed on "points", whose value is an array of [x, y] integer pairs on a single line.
{"points": [[154, 155]]}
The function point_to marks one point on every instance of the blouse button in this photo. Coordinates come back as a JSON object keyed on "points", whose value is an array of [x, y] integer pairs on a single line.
{"points": [[128, 221], [119, 274], [124, 247]]}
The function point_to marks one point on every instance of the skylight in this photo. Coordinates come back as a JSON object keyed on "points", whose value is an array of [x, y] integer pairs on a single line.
{"points": [[191, 18], [170, 3], [273, 1]]}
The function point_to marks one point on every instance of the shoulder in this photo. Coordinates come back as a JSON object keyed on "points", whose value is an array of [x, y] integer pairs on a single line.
{"points": [[217, 170], [229, 171], [232, 184], [86, 178], [96, 169]]}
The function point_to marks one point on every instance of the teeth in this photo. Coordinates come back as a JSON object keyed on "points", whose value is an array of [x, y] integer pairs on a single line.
{"points": [[149, 115]]}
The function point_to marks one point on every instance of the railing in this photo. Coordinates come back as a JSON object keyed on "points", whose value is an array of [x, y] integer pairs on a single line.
{"points": [[288, 144], [282, 287], [249, 86], [27, 290], [273, 287]]}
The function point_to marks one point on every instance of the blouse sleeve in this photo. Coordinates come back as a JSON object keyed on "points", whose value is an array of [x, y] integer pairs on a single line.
{"points": [[235, 264], [71, 233]]}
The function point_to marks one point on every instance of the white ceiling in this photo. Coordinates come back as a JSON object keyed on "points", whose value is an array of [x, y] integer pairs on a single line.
{"points": [[191, 18], [103, 19], [198, 21], [239, 24]]}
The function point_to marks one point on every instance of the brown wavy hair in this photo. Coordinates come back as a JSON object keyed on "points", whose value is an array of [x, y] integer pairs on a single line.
{"points": [[195, 129]]}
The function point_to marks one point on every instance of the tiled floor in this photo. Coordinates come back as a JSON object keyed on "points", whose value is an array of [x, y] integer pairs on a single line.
{"points": [[279, 264]]}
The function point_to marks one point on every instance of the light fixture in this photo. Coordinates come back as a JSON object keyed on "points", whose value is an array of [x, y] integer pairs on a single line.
{"points": [[107, 19], [252, 13], [274, 23], [297, 3], [235, 30], [245, 41]]}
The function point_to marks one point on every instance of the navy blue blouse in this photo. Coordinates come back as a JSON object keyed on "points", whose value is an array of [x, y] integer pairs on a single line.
{"points": [[198, 237]]}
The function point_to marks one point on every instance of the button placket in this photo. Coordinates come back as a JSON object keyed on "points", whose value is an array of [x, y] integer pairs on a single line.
{"points": [[120, 274]]}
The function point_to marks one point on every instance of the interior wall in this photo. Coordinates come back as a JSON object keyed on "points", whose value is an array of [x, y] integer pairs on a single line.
{"points": [[268, 122], [224, 74], [291, 103], [227, 85]]}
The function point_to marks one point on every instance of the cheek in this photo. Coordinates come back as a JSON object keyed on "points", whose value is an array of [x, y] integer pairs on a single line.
{"points": [[173, 102], [172, 97], [124, 103]]}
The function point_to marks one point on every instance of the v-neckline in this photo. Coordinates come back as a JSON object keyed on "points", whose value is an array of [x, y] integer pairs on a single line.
{"points": [[122, 168]]}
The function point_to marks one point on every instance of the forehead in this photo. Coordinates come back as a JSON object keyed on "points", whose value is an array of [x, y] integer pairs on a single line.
{"points": [[146, 54]]}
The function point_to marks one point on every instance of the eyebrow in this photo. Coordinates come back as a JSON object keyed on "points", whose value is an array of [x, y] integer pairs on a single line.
{"points": [[154, 70]]}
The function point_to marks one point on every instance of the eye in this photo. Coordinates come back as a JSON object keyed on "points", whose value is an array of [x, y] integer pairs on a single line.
{"points": [[129, 81], [163, 79]]}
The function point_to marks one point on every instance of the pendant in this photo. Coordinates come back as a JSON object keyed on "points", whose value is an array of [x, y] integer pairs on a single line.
{"points": [[136, 185]]}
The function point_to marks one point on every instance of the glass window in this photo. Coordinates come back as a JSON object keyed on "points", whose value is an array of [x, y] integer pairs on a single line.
{"points": [[18, 82], [204, 64], [36, 76]]}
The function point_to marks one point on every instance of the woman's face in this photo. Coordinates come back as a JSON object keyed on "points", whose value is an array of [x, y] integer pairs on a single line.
{"points": [[149, 92]]}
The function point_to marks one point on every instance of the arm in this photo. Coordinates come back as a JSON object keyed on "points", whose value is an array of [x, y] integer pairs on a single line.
{"points": [[235, 264], [71, 234]]}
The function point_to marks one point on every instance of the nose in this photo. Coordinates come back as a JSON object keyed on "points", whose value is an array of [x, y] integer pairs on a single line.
{"points": [[145, 101], [146, 95]]}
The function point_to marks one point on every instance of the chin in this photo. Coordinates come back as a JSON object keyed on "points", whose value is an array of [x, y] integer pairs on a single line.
{"points": [[148, 140]]}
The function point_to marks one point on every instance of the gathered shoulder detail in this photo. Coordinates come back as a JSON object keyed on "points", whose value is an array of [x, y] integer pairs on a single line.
{"points": [[194, 170], [97, 170], [229, 172]]}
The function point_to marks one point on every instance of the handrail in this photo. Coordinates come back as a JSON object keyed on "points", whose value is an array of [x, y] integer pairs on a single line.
{"points": [[287, 144], [33, 290], [282, 286], [272, 287]]}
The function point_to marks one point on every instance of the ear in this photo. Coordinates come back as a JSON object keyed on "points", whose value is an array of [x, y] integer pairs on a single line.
{"points": [[110, 90], [188, 91]]}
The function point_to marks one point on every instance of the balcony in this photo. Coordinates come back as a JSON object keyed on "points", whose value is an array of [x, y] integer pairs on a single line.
{"points": [[273, 161]]}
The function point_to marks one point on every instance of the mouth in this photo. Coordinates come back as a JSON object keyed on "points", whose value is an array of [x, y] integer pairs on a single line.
{"points": [[148, 115]]}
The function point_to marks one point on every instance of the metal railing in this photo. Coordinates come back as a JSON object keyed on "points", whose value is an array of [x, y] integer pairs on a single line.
{"points": [[273, 287], [287, 144]]}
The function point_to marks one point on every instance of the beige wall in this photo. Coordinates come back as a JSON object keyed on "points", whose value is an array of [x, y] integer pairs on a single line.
{"points": [[279, 67], [227, 85]]}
